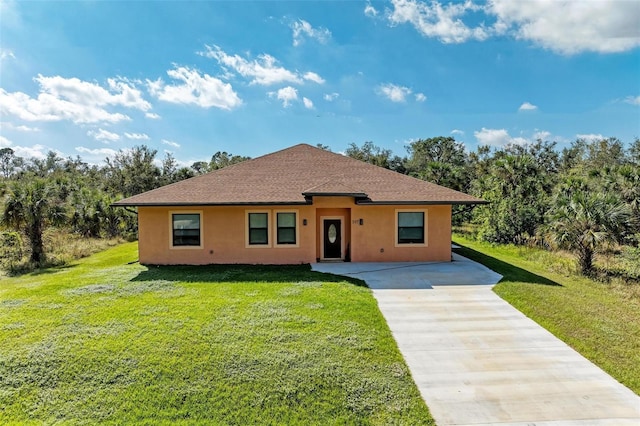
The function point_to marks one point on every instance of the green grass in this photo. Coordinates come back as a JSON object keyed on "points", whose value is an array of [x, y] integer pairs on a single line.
{"points": [[104, 340], [600, 321]]}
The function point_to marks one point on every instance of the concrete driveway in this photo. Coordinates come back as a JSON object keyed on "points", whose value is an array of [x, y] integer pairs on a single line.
{"points": [[479, 361]]}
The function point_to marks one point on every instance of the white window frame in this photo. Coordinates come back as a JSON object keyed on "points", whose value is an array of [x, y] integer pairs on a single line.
{"points": [[426, 232], [275, 228], [246, 230], [198, 212]]}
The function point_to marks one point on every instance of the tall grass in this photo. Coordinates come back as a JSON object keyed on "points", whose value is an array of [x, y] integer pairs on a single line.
{"points": [[61, 248]]}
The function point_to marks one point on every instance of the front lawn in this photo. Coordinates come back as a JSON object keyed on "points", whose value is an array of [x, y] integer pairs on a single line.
{"points": [[601, 321], [108, 341]]}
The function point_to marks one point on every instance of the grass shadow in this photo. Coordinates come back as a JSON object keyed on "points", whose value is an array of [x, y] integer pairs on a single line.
{"points": [[508, 271], [239, 273], [35, 271]]}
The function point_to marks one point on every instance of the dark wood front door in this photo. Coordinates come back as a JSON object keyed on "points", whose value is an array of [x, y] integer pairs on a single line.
{"points": [[332, 239]]}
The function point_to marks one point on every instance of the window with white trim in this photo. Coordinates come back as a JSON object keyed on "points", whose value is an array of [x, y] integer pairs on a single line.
{"points": [[286, 228], [185, 229], [410, 227]]}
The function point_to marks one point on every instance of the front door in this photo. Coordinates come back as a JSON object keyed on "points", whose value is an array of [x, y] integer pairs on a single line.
{"points": [[332, 239]]}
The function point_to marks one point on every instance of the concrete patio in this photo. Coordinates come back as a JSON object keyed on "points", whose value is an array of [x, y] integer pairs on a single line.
{"points": [[479, 361]]}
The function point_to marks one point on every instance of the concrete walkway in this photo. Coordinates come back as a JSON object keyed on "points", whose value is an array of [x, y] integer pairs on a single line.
{"points": [[479, 361]]}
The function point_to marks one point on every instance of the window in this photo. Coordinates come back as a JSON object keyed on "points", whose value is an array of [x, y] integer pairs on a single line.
{"points": [[410, 227], [286, 228], [258, 228], [186, 229]]}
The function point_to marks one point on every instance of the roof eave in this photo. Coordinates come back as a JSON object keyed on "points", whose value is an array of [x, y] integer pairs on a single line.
{"points": [[422, 203], [299, 203], [205, 204]]}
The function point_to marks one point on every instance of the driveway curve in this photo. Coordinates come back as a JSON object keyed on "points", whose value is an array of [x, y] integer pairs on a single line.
{"points": [[479, 361]]}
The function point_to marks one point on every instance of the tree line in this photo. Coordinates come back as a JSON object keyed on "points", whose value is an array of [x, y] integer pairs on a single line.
{"points": [[75, 196], [580, 197]]}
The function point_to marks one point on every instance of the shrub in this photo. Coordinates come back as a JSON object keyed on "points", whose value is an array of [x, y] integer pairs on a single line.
{"points": [[10, 248]]}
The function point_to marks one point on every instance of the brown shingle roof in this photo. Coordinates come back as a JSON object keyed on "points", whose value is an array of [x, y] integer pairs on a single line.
{"points": [[285, 177]]}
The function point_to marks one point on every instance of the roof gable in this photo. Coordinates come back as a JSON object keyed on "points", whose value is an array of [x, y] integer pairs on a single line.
{"points": [[292, 175]]}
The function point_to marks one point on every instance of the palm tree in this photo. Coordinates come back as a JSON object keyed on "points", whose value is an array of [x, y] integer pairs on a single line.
{"points": [[582, 223], [629, 187], [29, 207]]}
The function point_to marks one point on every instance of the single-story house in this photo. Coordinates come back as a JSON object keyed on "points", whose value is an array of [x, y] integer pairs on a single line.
{"points": [[299, 205]]}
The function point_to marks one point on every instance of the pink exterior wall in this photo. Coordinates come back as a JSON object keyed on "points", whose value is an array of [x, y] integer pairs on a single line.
{"points": [[224, 234], [375, 240], [223, 237]]}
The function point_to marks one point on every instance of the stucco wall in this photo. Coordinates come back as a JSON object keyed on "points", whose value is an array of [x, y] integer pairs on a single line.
{"points": [[223, 236], [375, 240], [224, 231]]}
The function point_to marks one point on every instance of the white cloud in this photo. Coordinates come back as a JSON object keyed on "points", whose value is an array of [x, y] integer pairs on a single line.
{"points": [[201, 90], [103, 135], [312, 76], [127, 94], [501, 137], [302, 29], [437, 20], [330, 97], [121, 92], [633, 100], [152, 115], [99, 151], [590, 136], [137, 136], [286, 95], [370, 11], [263, 71], [24, 128], [493, 137], [457, 132], [565, 27], [155, 86], [74, 100], [307, 103], [393, 92], [170, 143], [6, 54], [20, 128], [36, 151], [519, 141], [527, 107], [421, 97], [543, 135], [4, 142], [49, 108], [571, 27]]}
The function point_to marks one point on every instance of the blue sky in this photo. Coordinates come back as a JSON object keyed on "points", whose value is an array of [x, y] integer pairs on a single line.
{"points": [[192, 78]]}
